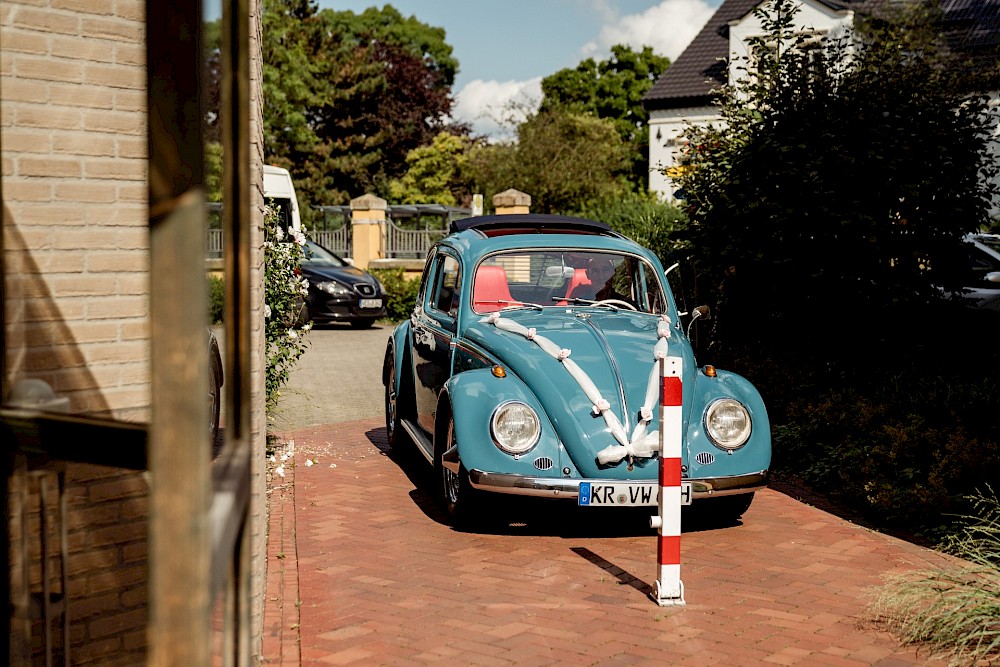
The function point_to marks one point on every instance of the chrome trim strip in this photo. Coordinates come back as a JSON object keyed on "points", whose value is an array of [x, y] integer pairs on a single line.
{"points": [[562, 487], [467, 347]]}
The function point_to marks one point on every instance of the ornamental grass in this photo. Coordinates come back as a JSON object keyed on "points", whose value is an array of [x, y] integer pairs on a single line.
{"points": [[955, 610]]}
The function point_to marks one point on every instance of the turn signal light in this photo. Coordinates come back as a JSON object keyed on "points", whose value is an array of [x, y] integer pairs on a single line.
{"points": [[709, 371], [499, 372]]}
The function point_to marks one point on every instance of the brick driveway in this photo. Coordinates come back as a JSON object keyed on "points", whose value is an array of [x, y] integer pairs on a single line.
{"points": [[363, 570], [380, 579]]}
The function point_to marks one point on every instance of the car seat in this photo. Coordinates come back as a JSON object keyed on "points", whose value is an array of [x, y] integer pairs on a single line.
{"points": [[579, 278], [491, 291]]}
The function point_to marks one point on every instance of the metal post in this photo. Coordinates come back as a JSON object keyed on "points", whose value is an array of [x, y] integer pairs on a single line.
{"points": [[669, 590]]}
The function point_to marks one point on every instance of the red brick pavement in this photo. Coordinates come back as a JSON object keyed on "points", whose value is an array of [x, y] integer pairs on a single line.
{"points": [[363, 570]]}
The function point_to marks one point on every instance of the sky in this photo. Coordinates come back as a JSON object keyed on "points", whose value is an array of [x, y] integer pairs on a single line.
{"points": [[505, 47]]}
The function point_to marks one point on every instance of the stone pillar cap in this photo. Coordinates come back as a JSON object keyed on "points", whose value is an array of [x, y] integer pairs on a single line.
{"points": [[369, 202], [511, 197]]}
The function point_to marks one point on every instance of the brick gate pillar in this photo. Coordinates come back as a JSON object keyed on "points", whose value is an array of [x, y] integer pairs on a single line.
{"points": [[511, 201], [367, 229]]}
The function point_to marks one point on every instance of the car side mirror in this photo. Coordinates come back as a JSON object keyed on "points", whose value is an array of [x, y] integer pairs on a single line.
{"points": [[699, 313], [993, 277]]}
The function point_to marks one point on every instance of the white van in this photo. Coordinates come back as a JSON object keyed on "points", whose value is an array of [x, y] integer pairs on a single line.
{"points": [[279, 192]]}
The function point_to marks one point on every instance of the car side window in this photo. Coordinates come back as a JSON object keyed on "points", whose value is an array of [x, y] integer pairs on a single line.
{"points": [[446, 292]]}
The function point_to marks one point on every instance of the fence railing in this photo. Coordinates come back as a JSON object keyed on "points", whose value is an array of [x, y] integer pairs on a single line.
{"points": [[332, 236], [336, 240], [409, 243], [333, 231]]}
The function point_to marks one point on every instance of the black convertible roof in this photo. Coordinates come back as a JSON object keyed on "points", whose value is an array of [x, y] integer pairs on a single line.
{"points": [[531, 223]]}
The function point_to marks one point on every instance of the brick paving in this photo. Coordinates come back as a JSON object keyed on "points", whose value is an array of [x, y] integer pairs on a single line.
{"points": [[364, 570]]}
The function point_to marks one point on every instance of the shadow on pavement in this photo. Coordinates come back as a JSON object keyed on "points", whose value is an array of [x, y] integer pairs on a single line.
{"points": [[520, 515]]}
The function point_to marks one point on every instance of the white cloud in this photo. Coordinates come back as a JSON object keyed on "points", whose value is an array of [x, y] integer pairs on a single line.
{"points": [[668, 27], [489, 106]]}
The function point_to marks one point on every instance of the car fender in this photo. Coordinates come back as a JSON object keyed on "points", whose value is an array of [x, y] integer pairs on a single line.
{"points": [[755, 455], [474, 395], [397, 345]]}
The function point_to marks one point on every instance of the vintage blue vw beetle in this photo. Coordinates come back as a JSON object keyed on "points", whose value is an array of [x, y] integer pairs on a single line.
{"points": [[528, 367]]}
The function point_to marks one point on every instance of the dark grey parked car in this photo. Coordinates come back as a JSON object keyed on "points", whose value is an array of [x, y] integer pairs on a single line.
{"points": [[339, 292], [977, 272]]}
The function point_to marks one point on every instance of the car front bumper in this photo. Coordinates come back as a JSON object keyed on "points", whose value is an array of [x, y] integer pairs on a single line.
{"points": [[559, 487], [326, 308]]}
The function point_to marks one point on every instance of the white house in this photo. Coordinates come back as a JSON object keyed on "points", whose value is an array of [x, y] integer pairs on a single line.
{"points": [[684, 94]]}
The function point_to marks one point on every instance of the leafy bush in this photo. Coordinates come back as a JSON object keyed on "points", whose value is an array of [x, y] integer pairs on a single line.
{"points": [[645, 220], [899, 446], [216, 298], [402, 292], [955, 610], [284, 335]]}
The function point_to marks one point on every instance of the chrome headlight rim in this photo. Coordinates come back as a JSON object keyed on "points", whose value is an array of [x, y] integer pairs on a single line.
{"points": [[727, 442], [503, 443]]}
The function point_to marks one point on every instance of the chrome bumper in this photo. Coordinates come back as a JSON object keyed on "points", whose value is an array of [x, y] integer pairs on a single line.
{"points": [[558, 487]]}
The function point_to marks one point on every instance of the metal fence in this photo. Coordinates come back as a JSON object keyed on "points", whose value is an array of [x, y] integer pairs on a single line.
{"points": [[410, 229], [333, 229], [213, 248], [409, 243]]}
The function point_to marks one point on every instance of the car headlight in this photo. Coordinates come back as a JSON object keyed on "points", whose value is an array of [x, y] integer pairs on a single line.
{"points": [[334, 288], [515, 427], [727, 424]]}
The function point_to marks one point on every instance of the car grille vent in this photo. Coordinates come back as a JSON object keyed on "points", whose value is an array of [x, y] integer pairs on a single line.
{"points": [[705, 458], [543, 463], [365, 290]]}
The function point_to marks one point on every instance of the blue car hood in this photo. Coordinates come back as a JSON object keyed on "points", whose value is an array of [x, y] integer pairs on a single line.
{"points": [[615, 350]]}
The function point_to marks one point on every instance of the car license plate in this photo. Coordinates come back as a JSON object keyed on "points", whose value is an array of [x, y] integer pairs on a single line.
{"points": [[371, 303], [625, 494]]}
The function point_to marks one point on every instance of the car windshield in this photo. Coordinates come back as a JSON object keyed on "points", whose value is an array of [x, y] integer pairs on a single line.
{"points": [[561, 278], [314, 254]]}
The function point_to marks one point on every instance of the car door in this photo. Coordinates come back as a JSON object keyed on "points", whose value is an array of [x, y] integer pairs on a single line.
{"points": [[434, 327]]}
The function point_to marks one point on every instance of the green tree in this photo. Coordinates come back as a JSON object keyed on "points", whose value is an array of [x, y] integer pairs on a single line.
{"points": [[566, 161], [839, 176], [612, 89], [348, 96], [432, 176]]}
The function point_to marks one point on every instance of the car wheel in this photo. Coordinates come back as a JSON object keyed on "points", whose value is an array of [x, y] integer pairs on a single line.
{"points": [[363, 324], [394, 433], [459, 498], [214, 403]]}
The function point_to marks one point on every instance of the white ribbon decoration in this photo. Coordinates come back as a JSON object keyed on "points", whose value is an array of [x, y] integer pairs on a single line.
{"points": [[641, 444]]}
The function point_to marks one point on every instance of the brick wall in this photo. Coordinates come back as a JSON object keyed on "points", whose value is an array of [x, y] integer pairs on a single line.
{"points": [[76, 271], [74, 170]]}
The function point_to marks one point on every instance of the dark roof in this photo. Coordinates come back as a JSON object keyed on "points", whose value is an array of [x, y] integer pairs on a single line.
{"points": [[972, 26], [701, 68], [536, 223]]}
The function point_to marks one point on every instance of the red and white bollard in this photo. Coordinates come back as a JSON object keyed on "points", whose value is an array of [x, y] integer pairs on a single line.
{"points": [[669, 590]]}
